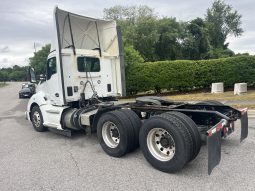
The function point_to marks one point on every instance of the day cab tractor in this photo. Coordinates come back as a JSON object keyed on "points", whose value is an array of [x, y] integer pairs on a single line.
{"points": [[85, 75]]}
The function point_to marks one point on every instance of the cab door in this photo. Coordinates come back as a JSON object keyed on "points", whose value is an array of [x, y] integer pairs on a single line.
{"points": [[52, 82]]}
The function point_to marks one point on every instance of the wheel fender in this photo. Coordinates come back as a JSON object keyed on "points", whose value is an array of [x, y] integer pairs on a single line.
{"points": [[36, 99], [99, 113]]}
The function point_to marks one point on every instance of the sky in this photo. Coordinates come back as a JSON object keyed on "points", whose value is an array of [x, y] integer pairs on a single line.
{"points": [[25, 22]]}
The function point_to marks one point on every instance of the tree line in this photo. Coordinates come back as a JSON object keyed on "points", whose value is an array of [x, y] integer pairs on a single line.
{"points": [[158, 38], [149, 37], [15, 73], [19, 73]]}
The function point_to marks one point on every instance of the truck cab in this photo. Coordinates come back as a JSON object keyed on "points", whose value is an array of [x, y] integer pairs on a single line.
{"points": [[85, 65]]}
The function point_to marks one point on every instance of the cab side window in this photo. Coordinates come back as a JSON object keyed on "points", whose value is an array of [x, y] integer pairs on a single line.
{"points": [[51, 67]]}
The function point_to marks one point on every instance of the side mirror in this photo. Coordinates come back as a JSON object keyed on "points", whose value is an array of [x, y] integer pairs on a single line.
{"points": [[42, 78], [31, 75]]}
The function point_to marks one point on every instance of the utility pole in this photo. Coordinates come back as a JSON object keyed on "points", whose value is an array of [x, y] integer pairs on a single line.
{"points": [[34, 48]]}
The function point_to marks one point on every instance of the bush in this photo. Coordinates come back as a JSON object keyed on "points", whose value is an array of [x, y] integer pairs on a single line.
{"points": [[132, 56], [220, 53], [183, 75]]}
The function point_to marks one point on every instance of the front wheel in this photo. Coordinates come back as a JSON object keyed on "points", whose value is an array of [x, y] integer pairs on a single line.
{"points": [[37, 119]]}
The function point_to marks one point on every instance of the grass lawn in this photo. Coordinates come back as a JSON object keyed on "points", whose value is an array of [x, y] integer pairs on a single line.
{"points": [[226, 96]]}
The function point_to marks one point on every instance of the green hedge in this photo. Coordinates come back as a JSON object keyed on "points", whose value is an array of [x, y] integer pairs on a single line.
{"points": [[186, 75]]}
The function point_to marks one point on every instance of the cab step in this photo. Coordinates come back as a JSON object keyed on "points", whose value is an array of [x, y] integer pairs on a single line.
{"points": [[65, 132]]}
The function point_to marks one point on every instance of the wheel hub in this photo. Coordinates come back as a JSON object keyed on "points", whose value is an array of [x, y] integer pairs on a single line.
{"points": [[166, 141], [161, 144], [110, 134], [115, 133], [36, 119]]}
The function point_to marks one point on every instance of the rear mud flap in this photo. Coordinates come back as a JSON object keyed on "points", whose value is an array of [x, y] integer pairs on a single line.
{"points": [[214, 145], [214, 139], [214, 151], [244, 124]]}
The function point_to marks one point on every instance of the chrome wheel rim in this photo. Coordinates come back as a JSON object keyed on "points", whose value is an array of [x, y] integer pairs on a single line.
{"points": [[161, 144], [110, 134], [37, 119]]}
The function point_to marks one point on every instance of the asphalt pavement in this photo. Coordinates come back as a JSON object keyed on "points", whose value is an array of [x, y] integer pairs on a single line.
{"points": [[30, 160]]}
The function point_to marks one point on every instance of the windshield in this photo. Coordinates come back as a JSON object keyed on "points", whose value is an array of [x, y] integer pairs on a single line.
{"points": [[27, 86]]}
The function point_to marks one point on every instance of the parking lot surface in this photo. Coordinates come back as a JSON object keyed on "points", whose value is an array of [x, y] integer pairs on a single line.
{"points": [[30, 160]]}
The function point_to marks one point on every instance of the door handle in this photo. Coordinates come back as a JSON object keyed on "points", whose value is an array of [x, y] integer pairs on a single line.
{"points": [[56, 94]]}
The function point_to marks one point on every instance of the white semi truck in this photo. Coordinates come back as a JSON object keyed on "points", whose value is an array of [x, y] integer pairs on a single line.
{"points": [[85, 74]]}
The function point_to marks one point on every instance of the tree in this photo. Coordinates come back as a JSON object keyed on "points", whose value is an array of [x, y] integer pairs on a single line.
{"points": [[18, 75], [220, 53], [132, 56], [196, 44], [157, 38], [3, 76], [222, 21], [129, 13], [127, 18], [139, 27], [146, 37], [168, 46], [38, 61]]}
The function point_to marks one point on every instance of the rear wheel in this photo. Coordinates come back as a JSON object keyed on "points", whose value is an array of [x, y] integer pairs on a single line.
{"points": [[161, 144], [115, 133], [111, 134], [193, 130], [37, 119], [166, 143], [136, 125]]}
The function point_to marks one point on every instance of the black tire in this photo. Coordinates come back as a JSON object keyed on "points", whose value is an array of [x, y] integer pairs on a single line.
{"points": [[125, 132], [136, 124], [187, 132], [181, 137], [210, 102], [37, 119], [193, 130]]}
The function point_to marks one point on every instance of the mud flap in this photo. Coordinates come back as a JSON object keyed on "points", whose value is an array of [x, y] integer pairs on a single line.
{"points": [[214, 151], [214, 139], [244, 124], [214, 145]]}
